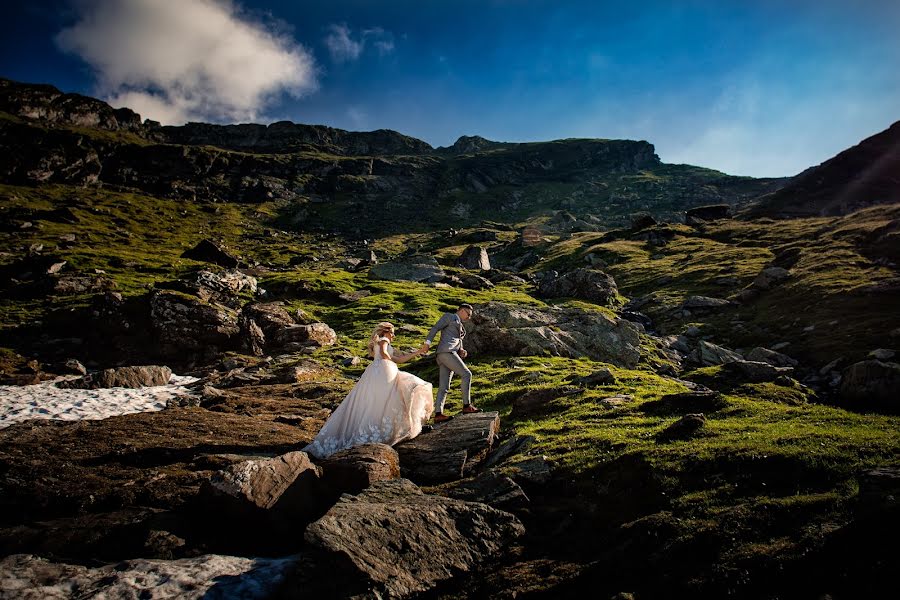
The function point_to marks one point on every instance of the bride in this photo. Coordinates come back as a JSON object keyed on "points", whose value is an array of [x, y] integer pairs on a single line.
{"points": [[385, 406]]}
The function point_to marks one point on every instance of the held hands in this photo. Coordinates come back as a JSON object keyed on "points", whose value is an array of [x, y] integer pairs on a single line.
{"points": [[422, 349], [462, 353]]}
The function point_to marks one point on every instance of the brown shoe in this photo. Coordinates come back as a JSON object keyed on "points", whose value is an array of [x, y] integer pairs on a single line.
{"points": [[441, 418], [469, 409]]}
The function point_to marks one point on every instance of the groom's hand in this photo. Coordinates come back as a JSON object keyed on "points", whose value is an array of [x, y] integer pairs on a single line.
{"points": [[423, 349], [462, 353]]}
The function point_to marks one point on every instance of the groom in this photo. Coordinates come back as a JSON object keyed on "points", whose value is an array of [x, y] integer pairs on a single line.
{"points": [[450, 355]]}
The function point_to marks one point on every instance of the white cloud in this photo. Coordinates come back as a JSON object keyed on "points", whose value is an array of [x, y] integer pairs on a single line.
{"points": [[341, 45], [344, 46], [182, 60]]}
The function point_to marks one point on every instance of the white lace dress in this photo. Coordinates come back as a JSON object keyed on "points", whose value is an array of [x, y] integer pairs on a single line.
{"points": [[385, 406]]}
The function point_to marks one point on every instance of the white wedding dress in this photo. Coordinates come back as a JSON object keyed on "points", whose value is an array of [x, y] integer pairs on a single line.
{"points": [[385, 406]]}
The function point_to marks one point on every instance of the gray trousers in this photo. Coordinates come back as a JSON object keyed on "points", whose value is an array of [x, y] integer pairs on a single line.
{"points": [[451, 363]]}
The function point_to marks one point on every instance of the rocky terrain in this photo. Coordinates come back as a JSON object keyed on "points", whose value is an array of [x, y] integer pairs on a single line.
{"points": [[690, 379]]}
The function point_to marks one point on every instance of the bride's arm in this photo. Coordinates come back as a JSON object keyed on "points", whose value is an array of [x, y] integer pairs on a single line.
{"points": [[402, 358], [382, 349]]}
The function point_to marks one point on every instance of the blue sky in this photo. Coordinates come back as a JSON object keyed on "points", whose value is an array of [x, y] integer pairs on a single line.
{"points": [[760, 88]]}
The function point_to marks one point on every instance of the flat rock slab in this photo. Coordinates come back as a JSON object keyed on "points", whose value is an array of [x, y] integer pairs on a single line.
{"points": [[30, 577], [402, 541], [451, 450], [490, 487]]}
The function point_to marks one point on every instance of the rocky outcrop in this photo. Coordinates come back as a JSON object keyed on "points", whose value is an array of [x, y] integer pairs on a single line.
{"points": [[187, 323], [770, 277], [451, 451], [419, 267], [702, 214], [312, 335], [872, 381], [401, 541], [126, 377], [500, 328], [585, 284]]}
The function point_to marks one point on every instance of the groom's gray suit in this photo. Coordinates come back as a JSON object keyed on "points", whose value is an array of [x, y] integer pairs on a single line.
{"points": [[452, 333]]}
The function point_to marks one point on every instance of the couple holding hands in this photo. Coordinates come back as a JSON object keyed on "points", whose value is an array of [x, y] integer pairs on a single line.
{"points": [[388, 405]]}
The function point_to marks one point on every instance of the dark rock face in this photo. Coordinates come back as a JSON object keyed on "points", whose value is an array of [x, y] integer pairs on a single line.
{"points": [[490, 487], [209, 251], [402, 541], [685, 427], [872, 381], [708, 354], [861, 176], [451, 450], [702, 214], [314, 334], [499, 328], [586, 284]]}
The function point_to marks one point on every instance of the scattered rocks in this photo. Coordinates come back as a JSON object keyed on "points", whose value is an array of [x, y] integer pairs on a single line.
{"points": [[418, 267], [501, 328], [585, 284], [184, 322], [872, 381], [209, 251], [475, 257], [402, 541]]}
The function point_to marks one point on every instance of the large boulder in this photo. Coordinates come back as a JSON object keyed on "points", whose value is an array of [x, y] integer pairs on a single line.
{"points": [[490, 487], [209, 251], [401, 541], [501, 328], [475, 257], [585, 284], [872, 381], [186, 322], [776, 359], [271, 317], [769, 277], [708, 354], [754, 371], [314, 334], [418, 267], [267, 490], [354, 469], [451, 451]]}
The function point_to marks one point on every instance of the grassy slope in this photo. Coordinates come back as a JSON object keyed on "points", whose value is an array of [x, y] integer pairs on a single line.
{"points": [[769, 471]]}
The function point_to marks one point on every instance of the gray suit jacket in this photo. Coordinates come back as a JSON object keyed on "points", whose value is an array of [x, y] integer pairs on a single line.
{"points": [[452, 333]]}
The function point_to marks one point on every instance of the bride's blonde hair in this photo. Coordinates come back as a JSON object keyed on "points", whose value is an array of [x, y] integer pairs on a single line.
{"points": [[380, 330]]}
